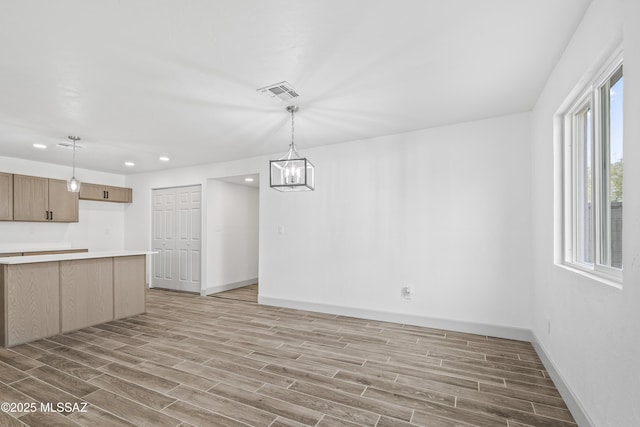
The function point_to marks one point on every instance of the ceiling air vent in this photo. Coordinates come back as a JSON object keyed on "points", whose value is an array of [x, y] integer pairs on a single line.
{"points": [[282, 91]]}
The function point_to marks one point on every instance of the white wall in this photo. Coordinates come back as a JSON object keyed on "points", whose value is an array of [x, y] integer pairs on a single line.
{"points": [[138, 216], [445, 211], [100, 226], [232, 236], [594, 341]]}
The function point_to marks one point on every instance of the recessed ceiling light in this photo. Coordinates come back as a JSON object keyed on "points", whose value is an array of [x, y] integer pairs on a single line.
{"points": [[164, 159], [248, 179], [130, 164], [40, 146]]}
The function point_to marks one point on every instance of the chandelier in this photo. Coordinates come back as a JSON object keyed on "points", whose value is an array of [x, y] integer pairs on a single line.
{"points": [[292, 172]]}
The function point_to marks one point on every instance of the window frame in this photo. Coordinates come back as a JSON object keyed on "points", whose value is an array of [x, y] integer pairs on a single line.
{"points": [[573, 139]]}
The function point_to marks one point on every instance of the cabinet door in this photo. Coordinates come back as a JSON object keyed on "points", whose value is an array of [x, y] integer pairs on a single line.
{"points": [[92, 191], [6, 197], [33, 302], [30, 198], [62, 203], [118, 194], [86, 292], [129, 285]]}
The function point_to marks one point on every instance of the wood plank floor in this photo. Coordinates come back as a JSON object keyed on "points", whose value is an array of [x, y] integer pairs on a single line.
{"points": [[245, 293], [193, 360]]}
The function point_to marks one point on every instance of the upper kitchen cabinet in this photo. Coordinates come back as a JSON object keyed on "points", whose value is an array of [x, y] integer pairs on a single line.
{"points": [[43, 199], [30, 198], [105, 193], [63, 205], [6, 197]]}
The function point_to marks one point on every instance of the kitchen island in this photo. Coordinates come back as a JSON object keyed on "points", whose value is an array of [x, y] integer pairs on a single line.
{"points": [[45, 295]]}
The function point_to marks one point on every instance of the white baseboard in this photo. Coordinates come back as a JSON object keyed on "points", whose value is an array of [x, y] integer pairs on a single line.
{"points": [[408, 319], [499, 331], [574, 405], [221, 288]]}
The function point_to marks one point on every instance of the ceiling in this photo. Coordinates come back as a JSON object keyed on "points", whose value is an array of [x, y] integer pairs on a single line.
{"points": [[139, 79]]}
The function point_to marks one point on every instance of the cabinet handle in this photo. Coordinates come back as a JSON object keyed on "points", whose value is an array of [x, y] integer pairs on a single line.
{"points": [[51, 215], [107, 194], [47, 213]]}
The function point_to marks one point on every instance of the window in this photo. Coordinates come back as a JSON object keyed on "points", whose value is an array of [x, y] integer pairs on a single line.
{"points": [[593, 177]]}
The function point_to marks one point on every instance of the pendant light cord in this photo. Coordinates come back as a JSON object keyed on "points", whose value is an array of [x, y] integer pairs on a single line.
{"points": [[75, 139], [74, 159]]}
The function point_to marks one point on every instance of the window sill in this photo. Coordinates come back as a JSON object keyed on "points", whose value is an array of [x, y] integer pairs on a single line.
{"points": [[593, 275]]}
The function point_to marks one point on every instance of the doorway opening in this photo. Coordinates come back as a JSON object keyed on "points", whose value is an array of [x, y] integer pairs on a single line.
{"points": [[232, 234]]}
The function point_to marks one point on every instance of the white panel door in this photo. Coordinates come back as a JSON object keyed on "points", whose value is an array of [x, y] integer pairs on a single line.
{"points": [[164, 238], [188, 239], [176, 238]]}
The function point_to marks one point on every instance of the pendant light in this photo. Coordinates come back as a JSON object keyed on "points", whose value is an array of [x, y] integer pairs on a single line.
{"points": [[292, 172], [73, 185]]}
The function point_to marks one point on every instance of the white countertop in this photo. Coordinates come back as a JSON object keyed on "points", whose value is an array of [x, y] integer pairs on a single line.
{"points": [[66, 257]]}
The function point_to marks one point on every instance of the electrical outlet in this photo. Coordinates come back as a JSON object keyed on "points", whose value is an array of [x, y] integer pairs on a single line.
{"points": [[406, 292], [548, 327]]}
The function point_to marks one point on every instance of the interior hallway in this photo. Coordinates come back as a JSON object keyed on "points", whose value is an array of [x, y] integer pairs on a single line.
{"points": [[245, 293]]}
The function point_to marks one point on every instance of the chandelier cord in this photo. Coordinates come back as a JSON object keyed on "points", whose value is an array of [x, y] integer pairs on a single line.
{"points": [[292, 115]]}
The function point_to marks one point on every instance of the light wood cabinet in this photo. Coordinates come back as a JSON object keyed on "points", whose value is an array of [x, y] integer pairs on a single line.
{"points": [[30, 198], [105, 193], [34, 198], [129, 285], [63, 204], [43, 199], [30, 294], [86, 292], [6, 197], [41, 299], [92, 191], [119, 194]]}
